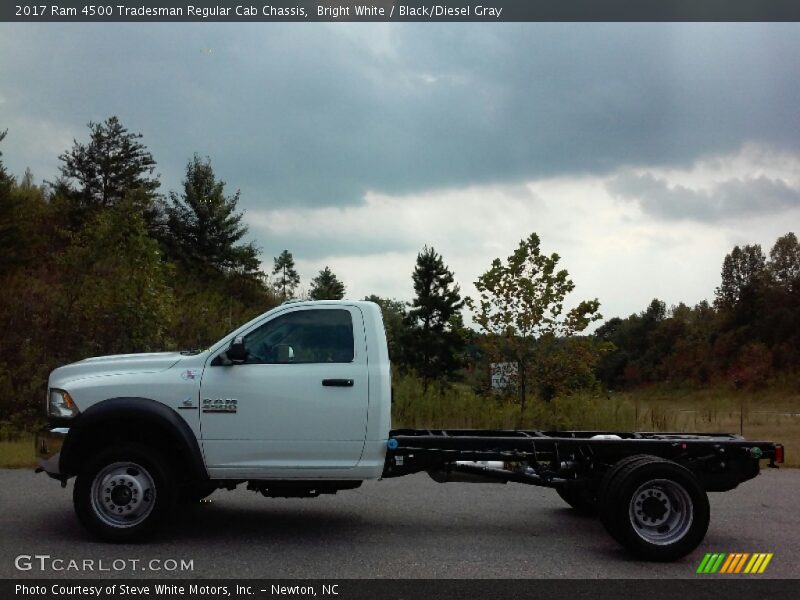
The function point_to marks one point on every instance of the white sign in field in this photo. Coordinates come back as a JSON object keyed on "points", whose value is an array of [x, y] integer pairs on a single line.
{"points": [[504, 375]]}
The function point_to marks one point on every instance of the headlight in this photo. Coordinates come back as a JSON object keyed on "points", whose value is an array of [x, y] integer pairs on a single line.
{"points": [[61, 405]]}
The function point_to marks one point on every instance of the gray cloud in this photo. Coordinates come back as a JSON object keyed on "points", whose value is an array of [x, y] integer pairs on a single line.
{"points": [[316, 115], [312, 247], [730, 199]]}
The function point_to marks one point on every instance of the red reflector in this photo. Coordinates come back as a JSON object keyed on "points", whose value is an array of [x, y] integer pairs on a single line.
{"points": [[778, 454]]}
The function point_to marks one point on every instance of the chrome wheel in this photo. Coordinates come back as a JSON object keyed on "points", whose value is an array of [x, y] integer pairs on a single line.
{"points": [[123, 494], [661, 511]]}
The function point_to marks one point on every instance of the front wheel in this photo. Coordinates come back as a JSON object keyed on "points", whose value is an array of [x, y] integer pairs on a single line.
{"points": [[656, 509], [123, 493]]}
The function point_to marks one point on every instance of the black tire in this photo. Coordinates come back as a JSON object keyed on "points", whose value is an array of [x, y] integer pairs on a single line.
{"points": [[618, 466], [192, 493], [123, 493], [655, 508], [612, 473], [586, 502], [581, 501]]}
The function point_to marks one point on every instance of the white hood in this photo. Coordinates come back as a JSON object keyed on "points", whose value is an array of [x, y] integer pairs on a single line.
{"points": [[116, 364]]}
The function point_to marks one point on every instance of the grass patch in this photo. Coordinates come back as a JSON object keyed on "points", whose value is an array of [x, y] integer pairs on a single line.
{"points": [[772, 415], [17, 453], [769, 415]]}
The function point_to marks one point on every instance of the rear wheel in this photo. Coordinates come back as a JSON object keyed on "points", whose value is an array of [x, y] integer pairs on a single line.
{"points": [[123, 493], [655, 508], [611, 475]]}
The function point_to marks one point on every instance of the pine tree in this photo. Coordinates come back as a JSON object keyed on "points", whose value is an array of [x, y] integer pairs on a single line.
{"points": [[203, 227], [326, 286], [286, 278], [113, 163], [432, 347]]}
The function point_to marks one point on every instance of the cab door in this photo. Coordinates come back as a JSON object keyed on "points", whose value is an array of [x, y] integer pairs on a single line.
{"points": [[297, 402]]}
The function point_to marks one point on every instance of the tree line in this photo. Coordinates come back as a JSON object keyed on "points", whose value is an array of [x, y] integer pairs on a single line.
{"points": [[748, 337], [99, 261]]}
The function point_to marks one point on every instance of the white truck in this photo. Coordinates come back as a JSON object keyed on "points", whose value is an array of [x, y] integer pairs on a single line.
{"points": [[297, 403]]}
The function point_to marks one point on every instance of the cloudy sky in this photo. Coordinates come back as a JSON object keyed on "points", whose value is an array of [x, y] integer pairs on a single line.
{"points": [[641, 153]]}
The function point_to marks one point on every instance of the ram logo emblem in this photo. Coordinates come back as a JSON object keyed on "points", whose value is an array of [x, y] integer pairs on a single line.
{"points": [[220, 405]]}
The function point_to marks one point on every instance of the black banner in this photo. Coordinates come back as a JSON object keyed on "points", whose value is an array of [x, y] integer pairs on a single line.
{"points": [[711, 588], [400, 10]]}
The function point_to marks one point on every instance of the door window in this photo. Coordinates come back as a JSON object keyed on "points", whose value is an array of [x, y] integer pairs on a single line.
{"points": [[303, 336]]}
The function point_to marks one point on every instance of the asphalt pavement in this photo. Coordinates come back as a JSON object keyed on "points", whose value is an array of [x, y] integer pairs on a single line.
{"points": [[410, 527]]}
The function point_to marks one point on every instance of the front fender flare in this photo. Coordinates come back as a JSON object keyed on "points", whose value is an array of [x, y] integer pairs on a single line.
{"points": [[126, 410]]}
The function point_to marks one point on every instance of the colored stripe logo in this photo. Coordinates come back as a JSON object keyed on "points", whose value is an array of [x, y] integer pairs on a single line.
{"points": [[735, 562]]}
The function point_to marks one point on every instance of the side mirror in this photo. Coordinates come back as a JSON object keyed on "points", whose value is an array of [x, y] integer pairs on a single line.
{"points": [[236, 352]]}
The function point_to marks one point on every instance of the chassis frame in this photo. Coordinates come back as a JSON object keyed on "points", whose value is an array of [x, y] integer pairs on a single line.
{"points": [[572, 459]]}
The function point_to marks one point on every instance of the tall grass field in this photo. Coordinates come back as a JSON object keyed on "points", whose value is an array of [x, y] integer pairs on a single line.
{"points": [[771, 415]]}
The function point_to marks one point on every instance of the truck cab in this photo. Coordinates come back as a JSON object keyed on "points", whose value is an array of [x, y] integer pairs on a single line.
{"points": [[300, 394]]}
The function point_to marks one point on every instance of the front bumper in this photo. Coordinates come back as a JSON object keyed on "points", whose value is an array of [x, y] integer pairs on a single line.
{"points": [[48, 450]]}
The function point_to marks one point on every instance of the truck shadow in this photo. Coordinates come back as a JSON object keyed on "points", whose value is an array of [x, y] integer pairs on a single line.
{"points": [[228, 522], [214, 522], [293, 521]]}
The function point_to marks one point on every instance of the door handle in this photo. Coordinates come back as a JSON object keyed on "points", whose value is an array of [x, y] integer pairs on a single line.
{"points": [[337, 382]]}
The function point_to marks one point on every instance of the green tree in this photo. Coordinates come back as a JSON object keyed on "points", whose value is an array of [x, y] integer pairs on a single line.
{"points": [[285, 277], [742, 272], [203, 226], [115, 296], [784, 261], [560, 366], [779, 323], [522, 301], [611, 368], [326, 286], [640, 344], [113, 163], [394, 315], [212, 307], [25, 218], [29, 288], [10, 231], [433, 346]]}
